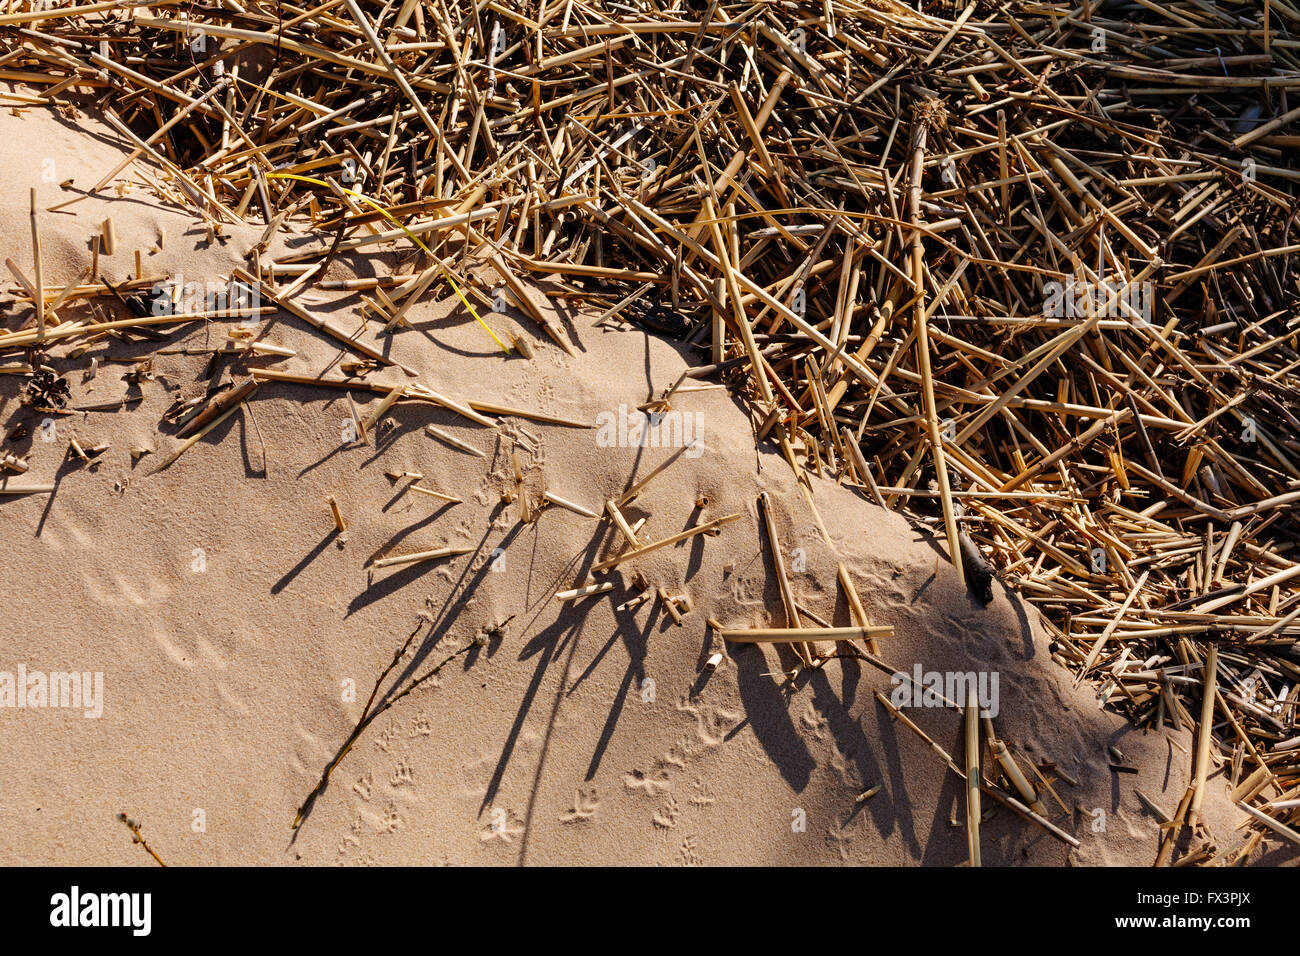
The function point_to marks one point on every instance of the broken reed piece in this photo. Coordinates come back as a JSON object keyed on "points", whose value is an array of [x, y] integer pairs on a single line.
{"points": [[792, 635], [1205, 731], [804, 651], [1156, 810], [639, 486], [1281, 829], [920, 325], [521, 296], [6, 488], [107, 237], [1169, 835], [435, 494], [39, 276], [192, 440], [338, 516], [460, 408], [569, 505], [972, 774], [414, 390], [522, 346], [356, 417], [635, 601], [327, 327], [471, 410], [1011, 770], [454, 442], [621, 523], [670, 606], [1001, 797], [521, 493], [419, 556], [855, 604], [13, 462], [705, 528], [582, 592], [388, 402], [492, 408], [218, 405], [237, 345]]}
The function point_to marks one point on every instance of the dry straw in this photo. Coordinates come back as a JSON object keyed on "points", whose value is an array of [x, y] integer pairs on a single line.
{"points": [[1038, 267]]}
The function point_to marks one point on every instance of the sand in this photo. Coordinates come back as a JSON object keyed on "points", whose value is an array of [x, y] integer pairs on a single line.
{"points": [[239, 635]]}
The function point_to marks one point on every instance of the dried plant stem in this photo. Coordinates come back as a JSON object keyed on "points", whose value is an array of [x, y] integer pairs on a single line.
{"points": [[420, 556]]}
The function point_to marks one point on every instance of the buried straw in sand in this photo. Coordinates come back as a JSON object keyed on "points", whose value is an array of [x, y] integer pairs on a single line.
{"points": [[217, 406], [621, 523], [492, 408], [460, 408], [107, 237], [855, 604], [794, 635], [190, 442], [388, 402], [454, 442], [13, 462], [10, 489], [420, 556], [1001, 797], [670, 606], [705, 528], [193, 439], [639, 486], [338, 516], [804, 651], [40, 280], [583, 592], [520, 492], [325, 326], [569, 505], [356, 417], [420, 489], [972, 774]]}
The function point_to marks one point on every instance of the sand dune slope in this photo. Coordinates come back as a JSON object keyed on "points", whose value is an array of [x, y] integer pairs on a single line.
{"points": [[239, 635]]}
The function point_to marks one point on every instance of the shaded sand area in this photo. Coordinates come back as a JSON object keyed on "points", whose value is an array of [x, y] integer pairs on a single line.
{"points": [[239, 633]]}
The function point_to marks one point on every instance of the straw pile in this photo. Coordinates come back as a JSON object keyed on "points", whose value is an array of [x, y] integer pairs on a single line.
{"points": [[1020, 270]]}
